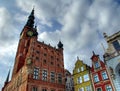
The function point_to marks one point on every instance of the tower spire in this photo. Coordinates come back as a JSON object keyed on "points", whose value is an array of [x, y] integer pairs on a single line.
{"points": [[7, 79], [31, 18], [93, 53]]}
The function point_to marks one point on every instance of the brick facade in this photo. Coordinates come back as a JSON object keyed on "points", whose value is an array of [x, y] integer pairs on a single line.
{"points": [[38, 66]]}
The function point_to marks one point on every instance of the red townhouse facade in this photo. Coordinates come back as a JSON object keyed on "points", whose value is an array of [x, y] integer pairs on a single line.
{"points": [[100, 77]]}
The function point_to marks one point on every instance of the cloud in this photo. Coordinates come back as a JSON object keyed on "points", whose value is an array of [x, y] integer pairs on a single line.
{"points": [[81, 24], [7, 30]]}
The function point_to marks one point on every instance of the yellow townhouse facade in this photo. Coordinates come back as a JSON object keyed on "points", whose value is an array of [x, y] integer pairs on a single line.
{"points": [[81, 76]]}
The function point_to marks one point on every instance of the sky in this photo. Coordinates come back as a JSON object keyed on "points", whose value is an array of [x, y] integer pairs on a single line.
{"points": [[79, 24]]}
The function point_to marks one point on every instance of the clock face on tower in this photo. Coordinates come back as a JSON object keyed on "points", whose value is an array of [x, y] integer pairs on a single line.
{"points": [[29, 33]]}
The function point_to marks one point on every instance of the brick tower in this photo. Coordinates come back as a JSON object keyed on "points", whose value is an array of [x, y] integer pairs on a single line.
{"points": [[38, 66]]}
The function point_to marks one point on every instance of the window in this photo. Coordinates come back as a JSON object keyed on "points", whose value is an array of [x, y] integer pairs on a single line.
{"points": [[34, 89], [96, 79], [81, 89], [86, 77], [99, 89], [82, 68], [59, 78], [52, 63], [51, 57], [44, 89], [36, 73], [78, 70], [79, 79], [37, 58], [37, 52], [44, 75], [52, 75], [116, 45], [52, 90], [58, 65], [97, 65], [104, 75], [45, 54], [88, 88], [44, 61], [108, 88]]}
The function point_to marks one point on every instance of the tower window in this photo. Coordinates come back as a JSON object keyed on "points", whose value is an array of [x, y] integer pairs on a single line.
{"points": [[44, 89], [37, 52], [37, 58], [36, 73], [44, 61], [44, 75], [52, 63], [45, 54], [116, 45], [52, 75], [58, 65], [34, 89], [59, 78], [96, 79], [52, 90], [104, 75]]}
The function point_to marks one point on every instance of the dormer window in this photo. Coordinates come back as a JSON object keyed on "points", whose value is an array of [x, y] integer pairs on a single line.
{"points": [[97, 65]]}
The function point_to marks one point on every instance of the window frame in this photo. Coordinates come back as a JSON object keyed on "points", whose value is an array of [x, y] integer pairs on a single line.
{"points": [[34, 88], [44, 75], [88, 88], [52, 79], [98, 88], [60, 78], [82, 68], [109, 86], [87, 78], [36, 73], [104, 75], [96, 77], [80, 80], [96, 64]]}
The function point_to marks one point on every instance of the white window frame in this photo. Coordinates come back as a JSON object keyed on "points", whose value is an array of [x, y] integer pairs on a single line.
{"points": [[97, 64], [81, 89], [80, 79], [36, 73], [104, 75], [88, 88], [86, 77], [96, 78], [44, 75], [82, 68], [108, 88]]}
